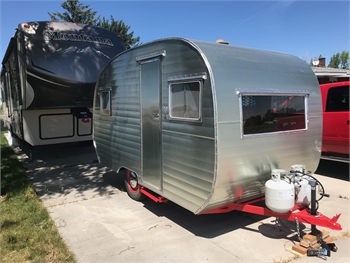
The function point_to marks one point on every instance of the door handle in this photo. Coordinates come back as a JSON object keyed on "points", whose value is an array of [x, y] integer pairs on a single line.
{"points": [[155, 115], [348, 122]]}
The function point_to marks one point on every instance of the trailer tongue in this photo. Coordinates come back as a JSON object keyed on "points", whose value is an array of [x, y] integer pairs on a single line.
{"points": [[304, 211], [316, 243], [298, 214]]}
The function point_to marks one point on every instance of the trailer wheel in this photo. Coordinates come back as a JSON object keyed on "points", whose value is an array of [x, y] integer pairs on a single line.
{"points": [[133, 188]]}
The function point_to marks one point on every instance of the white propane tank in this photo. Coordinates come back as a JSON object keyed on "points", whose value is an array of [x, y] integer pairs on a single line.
{"points": [[298, 167], [279, 194], [303, 192], [302, 186]]}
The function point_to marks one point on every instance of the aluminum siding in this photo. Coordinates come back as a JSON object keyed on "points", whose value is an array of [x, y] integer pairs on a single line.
{"points": [[244, 164], [117, 137], [188, 148], [188, 152]]}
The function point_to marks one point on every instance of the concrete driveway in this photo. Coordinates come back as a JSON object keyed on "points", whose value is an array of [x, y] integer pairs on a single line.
{"points": [[100, 223]]}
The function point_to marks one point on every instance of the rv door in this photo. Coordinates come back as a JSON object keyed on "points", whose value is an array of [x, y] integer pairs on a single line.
{"points": [[151, 122]]}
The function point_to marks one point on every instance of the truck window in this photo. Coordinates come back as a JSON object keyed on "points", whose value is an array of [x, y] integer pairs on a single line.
{"points": [[338, 99], [185, 100], [266, 114]]}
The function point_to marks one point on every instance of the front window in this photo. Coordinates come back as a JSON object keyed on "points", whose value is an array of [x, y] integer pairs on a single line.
{"points": [[185, 100], [269, 113]]}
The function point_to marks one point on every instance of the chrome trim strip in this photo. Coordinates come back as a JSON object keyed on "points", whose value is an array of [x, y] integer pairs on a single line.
{"points": [[105, 89], [276, 92], [335, 158], [196, 76], [152, 55], [187, 135]]}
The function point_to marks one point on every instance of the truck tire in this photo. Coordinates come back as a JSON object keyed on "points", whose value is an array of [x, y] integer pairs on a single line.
{"points": [[133, 188]]}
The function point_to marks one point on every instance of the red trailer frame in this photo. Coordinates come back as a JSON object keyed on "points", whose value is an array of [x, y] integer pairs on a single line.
{"points": [[300, 213]]}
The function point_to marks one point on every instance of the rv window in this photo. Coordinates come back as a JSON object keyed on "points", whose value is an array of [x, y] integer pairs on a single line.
{"points": [[184, 101], [265, 114], [13, 79], [105, 102]]}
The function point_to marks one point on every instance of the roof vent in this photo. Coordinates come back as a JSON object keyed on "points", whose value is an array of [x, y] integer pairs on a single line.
{"points": [[221, 41]]}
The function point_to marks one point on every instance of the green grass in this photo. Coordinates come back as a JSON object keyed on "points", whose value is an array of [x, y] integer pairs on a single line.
{"points": [[28, 234]]}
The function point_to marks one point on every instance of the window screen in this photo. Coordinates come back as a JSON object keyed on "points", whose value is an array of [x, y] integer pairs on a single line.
{"points": [[265, 114], [185, 100], [105, 102], [338, 99]]}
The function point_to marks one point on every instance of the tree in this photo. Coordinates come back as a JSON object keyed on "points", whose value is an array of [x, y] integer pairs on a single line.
{"points": [[122, 29], [340, 59], [79, 13], [344, 59], [335, 61], [76, 13]]}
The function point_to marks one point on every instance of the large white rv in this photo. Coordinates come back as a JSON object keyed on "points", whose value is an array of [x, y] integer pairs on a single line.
{"points": [[48, 76]]}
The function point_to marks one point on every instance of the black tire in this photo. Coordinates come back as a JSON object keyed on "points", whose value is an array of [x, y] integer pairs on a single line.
{"points": [[133, 188]]}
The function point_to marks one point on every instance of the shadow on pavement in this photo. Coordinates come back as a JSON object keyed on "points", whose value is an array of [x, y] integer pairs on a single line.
{"points": [[70, 173], [213, 225], [334, 169], [65, 173]]}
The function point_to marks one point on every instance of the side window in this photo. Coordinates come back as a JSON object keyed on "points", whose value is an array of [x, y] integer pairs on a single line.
{"points": [[185, 100], [11, 65], [338, 99], [105, 102], [269, 113]]}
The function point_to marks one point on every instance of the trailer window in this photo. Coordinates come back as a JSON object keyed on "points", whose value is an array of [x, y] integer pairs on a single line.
{"points": [[105, 102], [266, 114], [185, 101]]}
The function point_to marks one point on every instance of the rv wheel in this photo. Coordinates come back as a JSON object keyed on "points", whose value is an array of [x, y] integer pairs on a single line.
{"points": [[132, 185]]}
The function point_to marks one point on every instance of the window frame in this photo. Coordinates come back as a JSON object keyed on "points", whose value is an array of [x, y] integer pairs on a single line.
{"points": [[105, 111], [272, 93], [195, 78]]}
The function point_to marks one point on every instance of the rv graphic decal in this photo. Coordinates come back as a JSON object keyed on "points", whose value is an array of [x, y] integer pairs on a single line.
{"points": [[55, 35], [74, 49]]}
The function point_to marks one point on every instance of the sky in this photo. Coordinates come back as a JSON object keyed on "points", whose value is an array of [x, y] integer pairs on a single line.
{"points": [[306, 29]]}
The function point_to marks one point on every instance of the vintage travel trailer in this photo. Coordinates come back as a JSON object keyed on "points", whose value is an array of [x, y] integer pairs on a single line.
{"points": [[204, 124], [48, 76]]}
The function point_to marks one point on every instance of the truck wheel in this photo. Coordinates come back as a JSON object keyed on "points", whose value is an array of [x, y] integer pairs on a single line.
{"points": [[132, 185]]}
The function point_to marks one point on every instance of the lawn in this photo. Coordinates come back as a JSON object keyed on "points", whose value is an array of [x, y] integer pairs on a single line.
{"points": [[28, 234]]}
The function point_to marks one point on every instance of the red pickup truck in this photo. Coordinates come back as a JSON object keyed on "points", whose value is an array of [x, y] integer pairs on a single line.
{"points": [[336, 119]]}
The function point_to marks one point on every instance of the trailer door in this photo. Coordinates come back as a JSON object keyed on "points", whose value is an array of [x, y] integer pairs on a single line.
{"points": [[151, 122]]}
